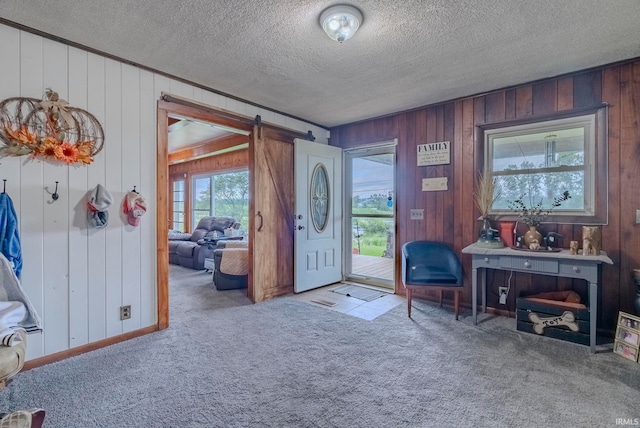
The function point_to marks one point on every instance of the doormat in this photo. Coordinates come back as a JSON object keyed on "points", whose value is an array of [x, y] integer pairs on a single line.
{"points": [[362, 293]]}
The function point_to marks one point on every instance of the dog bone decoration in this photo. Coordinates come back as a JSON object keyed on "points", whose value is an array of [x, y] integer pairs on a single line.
{"points": [[567, 319]]}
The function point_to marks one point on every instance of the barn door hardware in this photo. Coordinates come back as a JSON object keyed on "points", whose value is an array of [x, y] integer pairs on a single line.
{"points": [[261, 221]]}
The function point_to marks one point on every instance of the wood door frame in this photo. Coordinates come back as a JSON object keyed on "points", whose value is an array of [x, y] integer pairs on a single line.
{"points": [[169, 104], [195, 111]]}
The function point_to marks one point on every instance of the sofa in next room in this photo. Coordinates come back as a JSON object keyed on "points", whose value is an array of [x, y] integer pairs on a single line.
{"points": [[190, 249]]}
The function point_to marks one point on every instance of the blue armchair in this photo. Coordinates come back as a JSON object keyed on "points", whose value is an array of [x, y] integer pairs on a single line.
{"points": [[434, 266]]}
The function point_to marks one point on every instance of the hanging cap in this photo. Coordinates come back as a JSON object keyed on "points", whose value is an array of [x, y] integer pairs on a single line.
{"points": [[98, 201], [134, 207]]}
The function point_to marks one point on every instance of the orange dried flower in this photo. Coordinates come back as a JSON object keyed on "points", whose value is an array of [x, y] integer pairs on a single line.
{"points": [[84, 152], [50, 148], [67, 152], [23, 135], [47, 148], [11, 133], [84, 148]]}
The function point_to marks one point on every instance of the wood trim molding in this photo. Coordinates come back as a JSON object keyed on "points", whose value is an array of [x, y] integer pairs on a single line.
{"points": [[208, 148], [207, 114], [277, 131], [63, 355], [162, 217]]}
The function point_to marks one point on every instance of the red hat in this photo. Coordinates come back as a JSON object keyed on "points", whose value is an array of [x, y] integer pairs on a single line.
{"points": [[134, 207]]}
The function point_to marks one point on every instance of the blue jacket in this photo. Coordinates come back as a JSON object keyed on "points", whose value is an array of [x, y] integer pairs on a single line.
{"points": [[9, 235]]}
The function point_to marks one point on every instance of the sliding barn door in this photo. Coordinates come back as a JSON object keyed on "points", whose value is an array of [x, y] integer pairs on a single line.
{"points": [[271, 214]]}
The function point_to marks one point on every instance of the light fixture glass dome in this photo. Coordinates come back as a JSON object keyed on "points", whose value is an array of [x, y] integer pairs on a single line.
{"points": [[341, 22]]}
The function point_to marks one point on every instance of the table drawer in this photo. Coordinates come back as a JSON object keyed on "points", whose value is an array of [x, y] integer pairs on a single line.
{"points": [[489, 262], [529, 264], [578, 270]]}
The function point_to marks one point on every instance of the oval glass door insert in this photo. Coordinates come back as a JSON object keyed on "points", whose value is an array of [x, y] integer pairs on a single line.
{"points": [[319, 199]]}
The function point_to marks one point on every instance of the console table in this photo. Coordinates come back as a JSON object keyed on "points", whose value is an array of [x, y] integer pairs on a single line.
{"points": [[560, 264]]}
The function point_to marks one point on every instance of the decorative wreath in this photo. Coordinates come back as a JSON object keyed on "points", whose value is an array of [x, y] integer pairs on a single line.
{"points": [[49, 129]]}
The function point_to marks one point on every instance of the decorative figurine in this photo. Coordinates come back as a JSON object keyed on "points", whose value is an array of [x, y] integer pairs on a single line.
{"points": [[591, 240], [552, 240], [573, 248]]}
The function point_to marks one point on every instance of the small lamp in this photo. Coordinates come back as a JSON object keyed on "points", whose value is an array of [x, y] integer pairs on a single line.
{"points": [[340, 22]]}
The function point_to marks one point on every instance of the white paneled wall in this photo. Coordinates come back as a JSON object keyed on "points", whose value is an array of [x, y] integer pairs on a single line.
{"points": [[77, 278]]}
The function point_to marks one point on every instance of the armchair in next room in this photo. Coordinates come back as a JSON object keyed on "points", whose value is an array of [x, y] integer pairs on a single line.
{"points": [[231, 261]]}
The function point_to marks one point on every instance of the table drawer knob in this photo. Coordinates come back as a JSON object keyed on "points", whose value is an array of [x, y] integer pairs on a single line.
{"points": [[576, 268], [486, 259], [527, 264]]}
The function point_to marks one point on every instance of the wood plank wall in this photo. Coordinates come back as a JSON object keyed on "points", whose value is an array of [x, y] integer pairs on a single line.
{"points": [[450, 216]]}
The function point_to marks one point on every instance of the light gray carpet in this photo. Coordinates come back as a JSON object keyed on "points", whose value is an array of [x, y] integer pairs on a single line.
{"points": [[285, 363]]}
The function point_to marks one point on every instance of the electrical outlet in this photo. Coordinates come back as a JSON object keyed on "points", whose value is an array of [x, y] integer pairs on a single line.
{"points": [[417, 214], [125, 312], [502, 292]]}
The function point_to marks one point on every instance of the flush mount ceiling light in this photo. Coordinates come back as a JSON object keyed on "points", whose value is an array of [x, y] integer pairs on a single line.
{"points": [[340, 22]]}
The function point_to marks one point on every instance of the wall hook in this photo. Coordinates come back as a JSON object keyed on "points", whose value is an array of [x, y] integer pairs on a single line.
{"points": [[4, 185], [134, 189], [55, 195]]}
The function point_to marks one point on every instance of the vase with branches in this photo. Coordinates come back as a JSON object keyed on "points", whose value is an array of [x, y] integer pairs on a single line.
{"points": [[533, 215]]}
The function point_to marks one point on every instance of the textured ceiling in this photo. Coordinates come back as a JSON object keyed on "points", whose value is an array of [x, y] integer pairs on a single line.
{"points": [[406, 54]]}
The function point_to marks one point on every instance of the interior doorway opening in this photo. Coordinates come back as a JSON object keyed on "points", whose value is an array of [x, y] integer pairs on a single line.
{"points": [[269, 160], [201, 161], [370, 215], [194, 143]]}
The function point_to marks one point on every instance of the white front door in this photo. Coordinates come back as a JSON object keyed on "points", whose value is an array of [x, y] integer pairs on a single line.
{"points": [[318, 234]]}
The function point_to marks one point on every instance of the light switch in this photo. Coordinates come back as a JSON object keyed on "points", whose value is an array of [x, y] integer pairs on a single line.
{"points": [[637, 216], [417, 214]]}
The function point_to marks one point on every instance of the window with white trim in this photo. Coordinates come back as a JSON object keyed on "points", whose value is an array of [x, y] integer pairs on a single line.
{"points": [[178, 205], [538, 161]]}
